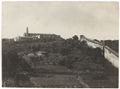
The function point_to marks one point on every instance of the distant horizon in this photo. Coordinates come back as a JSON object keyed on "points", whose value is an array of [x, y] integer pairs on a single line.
{"points": [[95, 20]]}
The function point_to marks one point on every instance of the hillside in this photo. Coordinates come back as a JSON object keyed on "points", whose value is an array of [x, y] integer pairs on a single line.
{"points": [[64, 63]]}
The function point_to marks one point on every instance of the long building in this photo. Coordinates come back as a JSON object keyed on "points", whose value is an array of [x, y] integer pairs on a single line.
{"points": [[37, 36]]}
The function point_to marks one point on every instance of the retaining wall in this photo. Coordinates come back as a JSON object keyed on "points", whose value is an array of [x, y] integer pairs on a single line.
{"points": [[109, 54]]}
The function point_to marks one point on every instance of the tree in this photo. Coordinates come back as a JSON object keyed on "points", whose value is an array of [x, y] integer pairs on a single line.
{"points": [[10, 62], [75, 37]]}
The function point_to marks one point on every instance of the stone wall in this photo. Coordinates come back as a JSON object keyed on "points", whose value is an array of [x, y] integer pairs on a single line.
{"points": [[109, 54]]}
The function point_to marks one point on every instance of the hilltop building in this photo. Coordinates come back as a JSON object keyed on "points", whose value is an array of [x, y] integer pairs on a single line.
{"points": [[37, 36]]}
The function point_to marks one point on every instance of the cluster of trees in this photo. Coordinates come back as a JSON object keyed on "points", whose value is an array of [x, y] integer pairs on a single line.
{"points": [[9, 63], [12, 64]]}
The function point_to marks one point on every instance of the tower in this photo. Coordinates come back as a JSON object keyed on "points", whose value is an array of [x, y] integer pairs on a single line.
{"points": [[27, 30], [26, 33]]}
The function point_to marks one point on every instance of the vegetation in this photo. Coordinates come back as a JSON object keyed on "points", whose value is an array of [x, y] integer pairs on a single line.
{"points": [[71, 53]]}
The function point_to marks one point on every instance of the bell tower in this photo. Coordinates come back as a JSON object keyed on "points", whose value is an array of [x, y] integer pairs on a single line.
{"points": [[27, 31]]}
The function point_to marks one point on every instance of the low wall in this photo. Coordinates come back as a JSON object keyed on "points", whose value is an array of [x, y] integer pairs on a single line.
{"points": [[112, 57], [109, 54]]}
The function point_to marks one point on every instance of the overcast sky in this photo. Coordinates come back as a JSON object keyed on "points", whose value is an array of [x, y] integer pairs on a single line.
{"points": [[96, 20]]}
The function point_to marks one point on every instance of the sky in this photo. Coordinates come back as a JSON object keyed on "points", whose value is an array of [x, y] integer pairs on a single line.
{"points": [[96, 20]]}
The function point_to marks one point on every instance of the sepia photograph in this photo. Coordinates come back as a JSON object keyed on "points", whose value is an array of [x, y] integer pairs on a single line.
{"points": [[60, 44]]}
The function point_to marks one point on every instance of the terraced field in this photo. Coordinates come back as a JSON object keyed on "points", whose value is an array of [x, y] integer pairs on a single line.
{"points": [[46, 75]]}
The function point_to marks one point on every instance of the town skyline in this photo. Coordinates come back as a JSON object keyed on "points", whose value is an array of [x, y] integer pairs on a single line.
{"points": [[97, 20]]}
